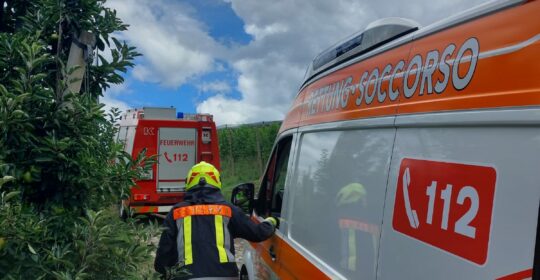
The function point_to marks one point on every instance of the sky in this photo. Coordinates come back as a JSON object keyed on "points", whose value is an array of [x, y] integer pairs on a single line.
{"points": [[241, 60]]}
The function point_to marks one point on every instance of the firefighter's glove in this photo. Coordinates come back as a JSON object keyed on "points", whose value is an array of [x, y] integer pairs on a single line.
{"points": [[273, 221]]}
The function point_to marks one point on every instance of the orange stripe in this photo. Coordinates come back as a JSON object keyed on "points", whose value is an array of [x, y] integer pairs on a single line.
{"points": [[501, 80], [518, 275], [295, 265], [202, 210], [291, 264]]}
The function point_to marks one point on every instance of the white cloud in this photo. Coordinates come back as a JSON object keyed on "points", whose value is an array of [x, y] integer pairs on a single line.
{"points": [[175, 46], [230, 111], [143, 73], [288, 35], [260, 32], [113, 103], [261, 83], [219, 87], [110, 97]]}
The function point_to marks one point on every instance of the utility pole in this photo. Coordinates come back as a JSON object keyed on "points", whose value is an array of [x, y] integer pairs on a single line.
{"points": [[80, 53]]}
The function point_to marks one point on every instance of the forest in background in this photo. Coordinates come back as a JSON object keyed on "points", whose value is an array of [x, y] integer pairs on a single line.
{"points": [[244, 152]]}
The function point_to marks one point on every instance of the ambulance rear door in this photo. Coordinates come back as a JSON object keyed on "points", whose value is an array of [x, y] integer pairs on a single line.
{"points": [[177, 149]]}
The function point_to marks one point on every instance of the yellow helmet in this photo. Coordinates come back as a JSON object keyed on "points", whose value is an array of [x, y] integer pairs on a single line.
{"points": [[351, 193], [201, 173]]}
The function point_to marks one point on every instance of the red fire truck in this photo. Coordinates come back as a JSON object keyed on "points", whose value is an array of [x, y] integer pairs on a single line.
{"points": [[180, 140]]}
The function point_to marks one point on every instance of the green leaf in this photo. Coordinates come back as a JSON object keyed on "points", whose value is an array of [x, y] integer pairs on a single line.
{"points": [[43, 159], [6, 179], [11, 195], [31, 249]]}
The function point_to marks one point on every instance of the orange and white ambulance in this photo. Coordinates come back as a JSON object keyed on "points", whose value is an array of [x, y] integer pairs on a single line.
{"points": [[180, 140], [410, 153]]}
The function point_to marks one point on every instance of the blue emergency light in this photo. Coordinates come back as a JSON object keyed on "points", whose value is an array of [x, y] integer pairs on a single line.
{"points": [[179, 115]]}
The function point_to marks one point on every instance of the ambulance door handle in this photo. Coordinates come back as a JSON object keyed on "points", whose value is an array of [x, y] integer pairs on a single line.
{"points": [[272, 253]]}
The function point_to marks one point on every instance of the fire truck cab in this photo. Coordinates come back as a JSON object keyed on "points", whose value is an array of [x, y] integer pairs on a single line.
{"points": [[179, 140]]}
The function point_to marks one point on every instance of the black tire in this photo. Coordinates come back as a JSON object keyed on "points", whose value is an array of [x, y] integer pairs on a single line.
{"points": [[244, 273]]}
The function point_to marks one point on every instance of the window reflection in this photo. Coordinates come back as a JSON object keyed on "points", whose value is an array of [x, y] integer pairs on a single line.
{"points": [[339, 192]]}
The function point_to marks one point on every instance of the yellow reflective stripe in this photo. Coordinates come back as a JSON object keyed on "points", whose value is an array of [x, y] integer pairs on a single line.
{"points": [[352, 250], [188, 253], [220, 240]]}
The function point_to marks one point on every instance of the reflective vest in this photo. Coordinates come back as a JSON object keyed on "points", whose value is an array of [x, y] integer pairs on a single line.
{"points": [[184, 217], [198, 237]]}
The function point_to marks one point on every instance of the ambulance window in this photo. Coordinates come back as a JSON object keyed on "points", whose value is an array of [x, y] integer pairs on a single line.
{"points": [[272, 189], [339, 188]]}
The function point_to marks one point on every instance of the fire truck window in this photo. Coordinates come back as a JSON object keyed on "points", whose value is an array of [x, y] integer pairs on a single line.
{"points": [[272, 189]]}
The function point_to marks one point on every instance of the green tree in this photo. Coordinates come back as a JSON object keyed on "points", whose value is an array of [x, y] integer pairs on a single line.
{"points": [[63, 170], [244, 151]]}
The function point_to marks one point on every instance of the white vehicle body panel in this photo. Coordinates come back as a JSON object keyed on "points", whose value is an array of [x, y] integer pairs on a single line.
{"points": [[513, 150]]}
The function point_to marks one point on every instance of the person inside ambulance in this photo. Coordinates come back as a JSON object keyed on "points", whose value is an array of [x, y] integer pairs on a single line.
{"points": [[198, 237], [358, 237]]}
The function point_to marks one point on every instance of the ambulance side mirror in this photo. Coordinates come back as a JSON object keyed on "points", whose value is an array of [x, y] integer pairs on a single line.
{"points": [[243, 197]]}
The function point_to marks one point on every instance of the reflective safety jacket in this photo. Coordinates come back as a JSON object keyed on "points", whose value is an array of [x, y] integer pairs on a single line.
{"points": [[198, 238]]}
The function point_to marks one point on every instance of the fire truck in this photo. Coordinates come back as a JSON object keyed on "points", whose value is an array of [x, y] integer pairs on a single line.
{"points": [[178, 140]]}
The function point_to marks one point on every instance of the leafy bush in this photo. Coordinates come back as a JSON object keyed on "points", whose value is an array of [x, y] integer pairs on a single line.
{"points": [[61, 170], [95, 246]]}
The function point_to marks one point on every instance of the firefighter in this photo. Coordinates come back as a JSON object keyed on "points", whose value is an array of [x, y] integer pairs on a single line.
{"points": [[358, 234], [197, 241]]}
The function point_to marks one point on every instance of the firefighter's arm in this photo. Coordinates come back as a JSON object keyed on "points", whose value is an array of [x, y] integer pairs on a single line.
{"points": [[166, 255], [243, 227]]}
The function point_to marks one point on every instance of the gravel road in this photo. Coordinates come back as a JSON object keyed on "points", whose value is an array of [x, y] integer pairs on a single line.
{"points": [[239, 252]]}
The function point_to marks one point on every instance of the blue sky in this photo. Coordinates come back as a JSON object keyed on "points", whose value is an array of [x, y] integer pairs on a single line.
{"points": [[184, 97], [241, 60], [224, 26]]}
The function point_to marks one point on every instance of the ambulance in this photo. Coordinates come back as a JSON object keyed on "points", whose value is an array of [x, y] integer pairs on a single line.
{"points": [[178, 140], [410, 153]]}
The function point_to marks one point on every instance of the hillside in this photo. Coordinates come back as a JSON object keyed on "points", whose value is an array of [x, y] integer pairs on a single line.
{"points": [[244, 151]]}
